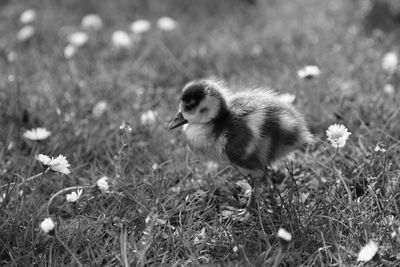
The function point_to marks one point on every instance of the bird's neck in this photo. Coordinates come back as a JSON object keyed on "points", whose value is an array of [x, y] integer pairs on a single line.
{"points": [[221, 122]]}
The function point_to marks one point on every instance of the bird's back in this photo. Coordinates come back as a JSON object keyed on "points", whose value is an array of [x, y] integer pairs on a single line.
{"points": [[262, 129]]}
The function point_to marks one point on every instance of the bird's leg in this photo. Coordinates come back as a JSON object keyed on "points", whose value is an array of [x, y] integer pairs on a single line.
{"points": [[253, 203], [253, 178], [250, 200], [277, 191]]}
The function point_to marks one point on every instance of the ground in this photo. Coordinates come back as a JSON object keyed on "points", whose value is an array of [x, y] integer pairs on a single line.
{"points": [[166, 205]]}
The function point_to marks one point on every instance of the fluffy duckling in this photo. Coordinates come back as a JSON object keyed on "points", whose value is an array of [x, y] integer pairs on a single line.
{"points": [[250, 129]]}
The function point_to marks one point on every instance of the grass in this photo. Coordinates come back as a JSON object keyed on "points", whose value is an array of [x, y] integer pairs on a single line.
{"points": [[333, 202]]}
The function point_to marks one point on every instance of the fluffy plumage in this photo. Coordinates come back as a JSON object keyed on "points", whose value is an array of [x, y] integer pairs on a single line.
{"points": [[249, 129]]}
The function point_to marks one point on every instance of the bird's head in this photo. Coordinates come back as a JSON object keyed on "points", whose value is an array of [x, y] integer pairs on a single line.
{"points": [[201, 102]]}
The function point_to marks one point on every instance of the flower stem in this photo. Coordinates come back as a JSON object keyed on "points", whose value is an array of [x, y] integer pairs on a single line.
{"points": [[51, 254], [27, 180], [41, 178]]}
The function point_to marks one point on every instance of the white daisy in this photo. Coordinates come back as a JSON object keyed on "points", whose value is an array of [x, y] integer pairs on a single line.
{"points": [[140, 26], [59, 164], [287, 98], [11, 145], [337, 135], [48, 226], [45, 160], [284, 235], [155, 166], [166, 24], [308, 72], [37, 134], [390, 61], [25, 33], [99, 108], [148, 117], [11, 56], [121, 40], [78, 39], [69, 51], [380, 148], [103, 185], [368, 251], [28, 16], [92, 22], [74, 196], [126, 127], [388, 89]]}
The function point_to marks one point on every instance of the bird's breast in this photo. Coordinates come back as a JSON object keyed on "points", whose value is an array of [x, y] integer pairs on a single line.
{"points": [[202, 138]]}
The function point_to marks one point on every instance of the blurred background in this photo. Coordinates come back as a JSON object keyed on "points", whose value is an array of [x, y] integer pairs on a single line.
{"points": [[83, 79]]}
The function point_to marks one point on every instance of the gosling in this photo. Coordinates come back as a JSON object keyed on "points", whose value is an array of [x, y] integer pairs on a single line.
{"points": [[250, 129]]}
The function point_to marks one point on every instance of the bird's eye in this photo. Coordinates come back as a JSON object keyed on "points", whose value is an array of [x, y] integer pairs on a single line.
{"points": [[188, 106], [203, 110]]}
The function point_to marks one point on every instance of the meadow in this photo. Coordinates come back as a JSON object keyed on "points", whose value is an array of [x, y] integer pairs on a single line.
{"points": [[107, 103]]}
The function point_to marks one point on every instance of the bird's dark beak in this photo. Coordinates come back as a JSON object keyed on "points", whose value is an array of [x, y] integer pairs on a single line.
{"points": [[177, 121]]}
